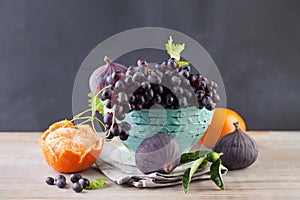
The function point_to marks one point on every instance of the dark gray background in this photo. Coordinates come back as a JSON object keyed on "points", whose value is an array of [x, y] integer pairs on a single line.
{"points": [[254, 43]]}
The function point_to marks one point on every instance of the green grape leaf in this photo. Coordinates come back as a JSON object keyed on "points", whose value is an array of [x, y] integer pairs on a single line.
{"points": [[174, 50], [182, 63], [97, 184], [96, 104]]}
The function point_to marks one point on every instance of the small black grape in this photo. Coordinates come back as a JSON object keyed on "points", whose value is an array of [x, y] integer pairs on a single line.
{"points": [[124, 135]]}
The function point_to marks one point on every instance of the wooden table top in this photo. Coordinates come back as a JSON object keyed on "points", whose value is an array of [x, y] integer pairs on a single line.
{"points": [[276, 174]]}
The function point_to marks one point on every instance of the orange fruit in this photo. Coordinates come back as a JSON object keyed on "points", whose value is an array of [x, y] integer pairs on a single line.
{"points": [[221, 124], [69, 149]]}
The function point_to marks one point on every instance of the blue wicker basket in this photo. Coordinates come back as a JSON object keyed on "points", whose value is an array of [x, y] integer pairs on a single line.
{"points": [[187, 125]]}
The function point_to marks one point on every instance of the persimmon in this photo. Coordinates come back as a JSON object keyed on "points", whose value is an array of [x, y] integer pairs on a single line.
{"points": [[221, 124], [69, 149]]}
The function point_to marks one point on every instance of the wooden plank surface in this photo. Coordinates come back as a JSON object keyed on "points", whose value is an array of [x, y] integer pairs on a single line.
{"points": [[274, 175]]}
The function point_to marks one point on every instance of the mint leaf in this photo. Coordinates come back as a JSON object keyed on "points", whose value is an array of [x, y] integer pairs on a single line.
{"points": [[97, 184]]}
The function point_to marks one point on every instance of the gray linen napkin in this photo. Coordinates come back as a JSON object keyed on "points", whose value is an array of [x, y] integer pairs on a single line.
{"points": [[126, 172]]}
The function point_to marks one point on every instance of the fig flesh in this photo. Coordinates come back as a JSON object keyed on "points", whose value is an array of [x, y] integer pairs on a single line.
{"points": [[158, 153]]}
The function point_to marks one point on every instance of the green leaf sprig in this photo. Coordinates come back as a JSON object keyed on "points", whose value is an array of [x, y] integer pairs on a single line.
{"points": [[174, 51], [200, 159], [95, 105], [97, 184]]}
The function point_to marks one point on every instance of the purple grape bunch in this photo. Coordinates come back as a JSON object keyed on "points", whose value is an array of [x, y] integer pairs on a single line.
{"points": [[141, 87]]}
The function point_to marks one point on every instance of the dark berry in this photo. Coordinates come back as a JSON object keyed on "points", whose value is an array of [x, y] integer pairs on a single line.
{"points": [[84, 182], [61, 183], [77, 187], [50, 181], [75, 178], [60, 176], [124, 135], [125, 126]]}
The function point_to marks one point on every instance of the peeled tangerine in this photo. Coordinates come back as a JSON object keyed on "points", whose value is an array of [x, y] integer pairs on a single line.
{"points": [[69, 149], [158, 153], [239, 149]]}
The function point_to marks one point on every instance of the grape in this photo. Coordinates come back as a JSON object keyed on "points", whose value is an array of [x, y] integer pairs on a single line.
{"points": [[109, 80], [106, 94], [139, 99], [116, 129], [122, 97], [138, 77], [200, 96], [125, 126], [117, 75], [202, 84], [126, 107], [141, 62], [157, 72], [172, 63], [216, 98], [146, 86], [192, 80], [108, 103], [138, 107], [124, 135], [154, 79], [183, 102], [108, 117], [148, 95], [143, 69], [109, 135], [169, 99], [186, 68], [188, 94], [207, 103], [117, 108], [159, 89], [120, 116], [128, 80], [156, 99], [131, 99], [178, 90], [185, 83], [130, 71], [184, 73], [175, 81], [119, 86]]}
